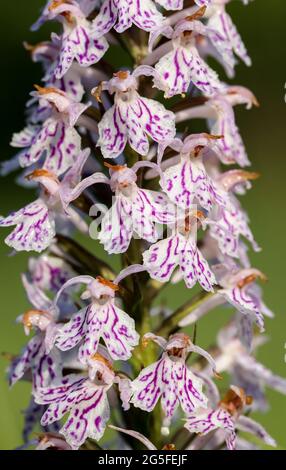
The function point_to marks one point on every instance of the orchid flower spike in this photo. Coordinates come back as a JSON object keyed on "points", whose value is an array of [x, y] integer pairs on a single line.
{"points": [[149, 207]]}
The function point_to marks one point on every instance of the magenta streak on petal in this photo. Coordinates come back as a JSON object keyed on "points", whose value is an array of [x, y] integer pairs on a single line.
{"points": [[152, 387], [171, 265]]}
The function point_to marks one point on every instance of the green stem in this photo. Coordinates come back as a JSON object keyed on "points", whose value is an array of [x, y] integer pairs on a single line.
{"points": [[170, 325]]}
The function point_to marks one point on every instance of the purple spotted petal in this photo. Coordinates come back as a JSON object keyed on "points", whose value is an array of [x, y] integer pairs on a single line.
{"points": [[43, 367], [87, 404], [195, 268], [163, 257], [231, 225], [188, 181], [231, 146], [113, 132], [88, 419], [80, 44], [56, 141], [116, 226], [32, 417], [148, 387], [49, 273], [206, 421], [108, 322], [72, 333], [253, 371], [35, 227], [242, 299], [246, 424], [222, 23], [183, 66], [47, 53], [171, 381], [148, 208], [133, 121], [121, 14]]}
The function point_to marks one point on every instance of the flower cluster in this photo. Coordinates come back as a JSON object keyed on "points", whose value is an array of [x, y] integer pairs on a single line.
{"points": [[103, 138]]}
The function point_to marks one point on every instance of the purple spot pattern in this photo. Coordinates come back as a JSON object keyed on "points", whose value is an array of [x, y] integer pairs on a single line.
{"points": [[35, 227], [121, 14], [88, 326], [164, 256], [81, 44], [231, 145], [207, 420], [245, 302], [183, 66], [49, 273], [43, 367], [231, 225], [59, 143], [135, 214], [86, 403], [188, 181], [32, 417], [222, 23], [116, 226], [133, 121], [171, 381]]}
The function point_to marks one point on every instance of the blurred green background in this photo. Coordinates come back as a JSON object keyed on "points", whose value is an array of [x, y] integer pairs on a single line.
{"points": [[262, 25]]}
